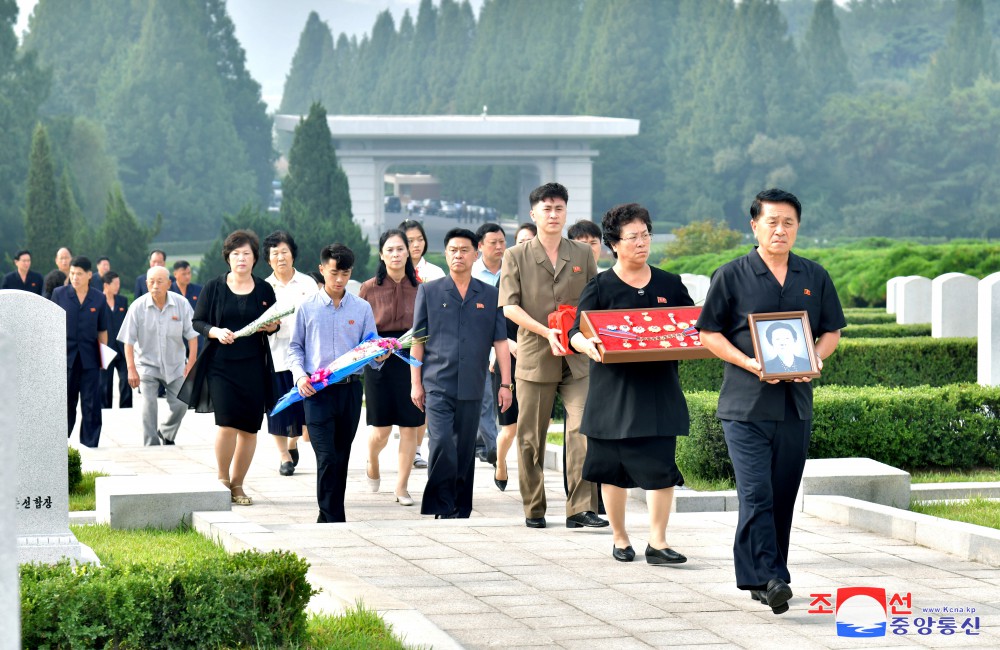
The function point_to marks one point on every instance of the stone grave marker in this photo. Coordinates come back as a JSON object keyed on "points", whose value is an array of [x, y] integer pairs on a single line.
{"points": [[954, 298], [913, 300], [697, 286], [10, 593], [37, 405], [988, 347]]}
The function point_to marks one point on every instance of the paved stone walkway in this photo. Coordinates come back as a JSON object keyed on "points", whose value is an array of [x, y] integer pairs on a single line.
{"points": [[490, 582]]}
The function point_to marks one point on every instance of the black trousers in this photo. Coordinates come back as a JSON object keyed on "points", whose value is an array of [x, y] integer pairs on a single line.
{"points": [[452, 426], [768, 458], [332, 416], [84, 385], [108, 384]]}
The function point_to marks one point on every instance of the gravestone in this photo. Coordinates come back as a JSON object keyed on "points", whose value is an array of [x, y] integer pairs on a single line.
{"points": [[697, 286], [890, 294], [913, 300], [954, 297], [988, 347], [37, 405], [10, 595]]}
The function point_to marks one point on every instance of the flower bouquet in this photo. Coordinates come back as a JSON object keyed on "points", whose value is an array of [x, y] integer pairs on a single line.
{"points": [[347, 364], [273, 314]]}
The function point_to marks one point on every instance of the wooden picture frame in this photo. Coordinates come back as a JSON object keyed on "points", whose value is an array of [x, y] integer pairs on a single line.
{"points": [[793, 354]]}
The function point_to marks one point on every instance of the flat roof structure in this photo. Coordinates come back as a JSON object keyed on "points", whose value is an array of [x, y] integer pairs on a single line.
{"points": [[546, 148]]}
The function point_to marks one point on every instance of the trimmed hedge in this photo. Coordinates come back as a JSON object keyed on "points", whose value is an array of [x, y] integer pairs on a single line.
{"points": [[898, 362], [869, 316], [249, 599], [885, 331], [956, 427]]}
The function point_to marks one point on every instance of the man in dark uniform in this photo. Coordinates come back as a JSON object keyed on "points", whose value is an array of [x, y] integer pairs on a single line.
{"points": [[460, 316], [182, 284], [117, 308], [23, 279], [767, 425], [63, 257], [86, 326], [156, 258], [103, 266]]}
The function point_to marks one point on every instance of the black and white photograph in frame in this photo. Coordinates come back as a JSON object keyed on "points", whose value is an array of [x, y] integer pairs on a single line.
{"points": [[783, 343]]}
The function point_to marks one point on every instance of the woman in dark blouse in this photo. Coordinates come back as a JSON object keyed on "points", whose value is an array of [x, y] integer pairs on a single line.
{"points": [[634, 411], [392, 294], [233, 375]]}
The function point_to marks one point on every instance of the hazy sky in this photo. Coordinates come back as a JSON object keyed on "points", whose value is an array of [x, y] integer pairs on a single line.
{"points": [[269, 29]]}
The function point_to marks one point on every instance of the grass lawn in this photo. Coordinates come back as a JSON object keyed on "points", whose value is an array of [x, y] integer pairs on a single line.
{"points": [[981, 512], [82, 498], [956, 476]]}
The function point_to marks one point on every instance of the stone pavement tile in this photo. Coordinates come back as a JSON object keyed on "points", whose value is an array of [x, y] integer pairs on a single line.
{"points": [[979, 572], [400, 583], [516, 604], [684, 638], [437, 599], [766, 636], [428, 552], [597, 631], [489, 622], [554, 622], [495, 588], [459, 579], [668, 623], [606, 644], [465, 565], [548, 578], [550, 607], [498, 553], [524, 637], [612, 609]]}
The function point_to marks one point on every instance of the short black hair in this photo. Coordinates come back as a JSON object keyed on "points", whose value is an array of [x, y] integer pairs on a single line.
{"points": [[279, 237], [157, 250], [342, 255], [487, 228], [109, 277], [21, 252], [317, 276], [103, 258], [462, 233], [584, 228], [620, 216], [527, 225], [81, 262], [771, 329], [54, 280], [774, 195], [181, 264], [236, 239], [548, 191]]}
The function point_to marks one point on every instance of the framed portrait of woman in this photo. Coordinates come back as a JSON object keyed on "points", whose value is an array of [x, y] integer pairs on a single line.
{"points": [[784, 345]]}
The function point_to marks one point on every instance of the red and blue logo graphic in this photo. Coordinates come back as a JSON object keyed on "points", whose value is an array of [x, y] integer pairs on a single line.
{"points": [[861, 612]]}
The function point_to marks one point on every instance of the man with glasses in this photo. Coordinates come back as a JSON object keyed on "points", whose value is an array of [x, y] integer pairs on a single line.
{"points": [[535, 279]]}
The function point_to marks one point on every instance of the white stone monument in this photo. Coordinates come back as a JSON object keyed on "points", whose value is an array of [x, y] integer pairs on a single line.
{"points": [[890, 294], [10, 593], [988, 348], [37, 404], [697, 286], [913, 300], [954, 298]]}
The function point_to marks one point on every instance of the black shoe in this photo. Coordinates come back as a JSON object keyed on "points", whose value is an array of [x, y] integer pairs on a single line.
{"points": [[294, 453], [481, 456], [626, 554], [663, 556], [534, 522], [453, 515], [757, 594], [777, 595], [588, 519], [491, 457], [286, 469], [501, 484], [163, 440], [321, 519]]}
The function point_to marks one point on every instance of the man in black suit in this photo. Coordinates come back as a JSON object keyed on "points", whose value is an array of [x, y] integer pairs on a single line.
{"points": [[63, 257], [156, 258], [103, 266], [118, 307], [23, 279]]}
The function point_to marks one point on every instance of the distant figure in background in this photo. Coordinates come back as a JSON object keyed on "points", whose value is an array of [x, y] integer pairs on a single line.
{"points": [[182, 283], [589, 233], [156, 258], [63, 258], [117, 308], [86, 325], [156, 334], [103, 266], [318, 278], [23, 278], [492, 244], [53, 280]]}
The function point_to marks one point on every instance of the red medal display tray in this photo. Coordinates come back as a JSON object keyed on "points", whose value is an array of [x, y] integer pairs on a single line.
{"points": [[656, 334]]}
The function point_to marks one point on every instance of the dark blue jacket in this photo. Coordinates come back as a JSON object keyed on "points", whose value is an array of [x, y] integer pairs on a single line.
{"points": [[83, 322]]}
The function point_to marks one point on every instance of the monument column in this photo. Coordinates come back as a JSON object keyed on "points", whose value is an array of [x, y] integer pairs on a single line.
{"points": [[365, 184], [575, 172]]}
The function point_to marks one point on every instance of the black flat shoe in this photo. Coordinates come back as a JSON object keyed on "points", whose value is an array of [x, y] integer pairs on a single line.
{"points": [[534, 522], [294, 453], [586, 519], [759, 595], [626, 554], [663, 556], [286, 469], [501, 484], [777, 595]]}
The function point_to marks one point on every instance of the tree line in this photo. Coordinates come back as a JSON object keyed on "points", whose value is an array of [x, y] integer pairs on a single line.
{"points": [[881, 115]]}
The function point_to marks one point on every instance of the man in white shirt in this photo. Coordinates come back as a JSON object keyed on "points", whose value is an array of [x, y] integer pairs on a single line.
{"points": [[157, 334], [492, 244]]}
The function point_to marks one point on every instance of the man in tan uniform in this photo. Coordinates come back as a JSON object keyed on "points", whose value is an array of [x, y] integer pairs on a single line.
{"points": [[536, 277]]}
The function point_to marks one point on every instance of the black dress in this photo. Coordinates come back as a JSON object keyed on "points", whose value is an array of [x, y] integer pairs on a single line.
{"points": [[634, 411]]}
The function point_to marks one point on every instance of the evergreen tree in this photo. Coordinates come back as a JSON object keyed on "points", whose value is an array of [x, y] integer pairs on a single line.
{"points": [[46, 227], [968, 53], [825, 60], [123, 238], [83, 237], [303, 83], [316, 204]]}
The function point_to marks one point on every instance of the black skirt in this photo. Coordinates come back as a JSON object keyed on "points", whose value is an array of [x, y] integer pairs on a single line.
{"points": [[292, 418], [648, 462], [239, 393], [387, 395], [510, 415]]}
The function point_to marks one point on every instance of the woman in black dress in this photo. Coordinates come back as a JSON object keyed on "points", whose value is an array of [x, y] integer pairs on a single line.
{"points": [[634, 411], [392, 294], [233, 375]]}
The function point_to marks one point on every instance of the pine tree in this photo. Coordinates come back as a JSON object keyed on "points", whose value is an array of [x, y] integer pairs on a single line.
{"points": [[83, 237], [46, 227], [123, 238], [316, 204], [968, 53], [825, 60], [303, 83]]}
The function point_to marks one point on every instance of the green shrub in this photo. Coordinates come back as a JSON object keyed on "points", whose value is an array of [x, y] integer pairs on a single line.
{"points": [[897, 362], [868, 316], [885, 331], [955, 427], [75, 467], [248, 599]]}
